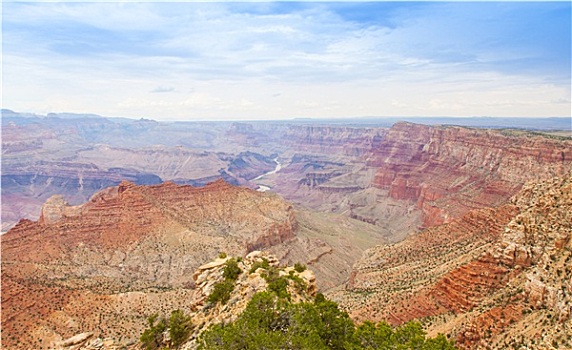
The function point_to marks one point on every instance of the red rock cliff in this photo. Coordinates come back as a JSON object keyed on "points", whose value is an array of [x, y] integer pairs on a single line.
{"points": [[489, 278], [63, 274], [451, 170]]}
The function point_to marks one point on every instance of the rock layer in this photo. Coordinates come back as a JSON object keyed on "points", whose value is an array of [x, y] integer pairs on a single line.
{"points": [[448, 171], [487, 278], [106, 265], [126, 242]]}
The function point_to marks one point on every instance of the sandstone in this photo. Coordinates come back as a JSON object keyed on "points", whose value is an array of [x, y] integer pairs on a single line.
{"points": [[535, 291], [53, 209], [486, 277], [76, 339], [254, 255], [210, 265], [448, 171], [129, 245]]}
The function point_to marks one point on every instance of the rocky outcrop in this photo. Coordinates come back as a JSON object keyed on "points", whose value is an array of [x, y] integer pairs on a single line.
{"points": [[129, 248], [205, 313], [486, 278], [448, 171], [248, 283]]}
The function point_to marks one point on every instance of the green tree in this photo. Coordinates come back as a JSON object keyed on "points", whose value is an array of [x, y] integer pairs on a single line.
{"points": [[409, 336], [370, 336], [272, 322], [335, 326], [221, 292], [231, 270], [179, 327], [299, 267], [152, 337]]}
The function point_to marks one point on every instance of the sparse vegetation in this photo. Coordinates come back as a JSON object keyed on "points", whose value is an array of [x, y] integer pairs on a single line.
{"points": [[260, 264], [299, 267], [152, 337], [222, 290]]}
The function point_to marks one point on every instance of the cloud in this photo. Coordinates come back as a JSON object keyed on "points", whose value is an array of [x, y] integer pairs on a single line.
{"points": [[375, 58]]}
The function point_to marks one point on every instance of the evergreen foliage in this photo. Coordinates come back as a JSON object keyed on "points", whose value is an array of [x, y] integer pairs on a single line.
{"points": [[260, 264], [272, 322], [299, 267], [222, 290], [152, 337], [231, 270], [179, 327]]}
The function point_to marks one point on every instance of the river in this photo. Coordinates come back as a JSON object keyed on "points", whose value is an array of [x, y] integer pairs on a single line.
{"points": [[263, 188]]}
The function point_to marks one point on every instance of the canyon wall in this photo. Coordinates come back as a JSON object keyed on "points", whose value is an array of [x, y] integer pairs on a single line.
{"points": [[332, 140], [106, 265], [491, 278], [448, 171]]}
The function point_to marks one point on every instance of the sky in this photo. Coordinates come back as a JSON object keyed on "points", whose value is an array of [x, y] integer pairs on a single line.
{"points": [[280, 60]]}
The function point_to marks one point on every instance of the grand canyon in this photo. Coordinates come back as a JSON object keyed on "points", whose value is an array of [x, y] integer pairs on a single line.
{"points": [[466, 229]]}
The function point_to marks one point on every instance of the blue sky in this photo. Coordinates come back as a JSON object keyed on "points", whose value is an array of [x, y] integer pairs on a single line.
{"points": [[277, 60]]}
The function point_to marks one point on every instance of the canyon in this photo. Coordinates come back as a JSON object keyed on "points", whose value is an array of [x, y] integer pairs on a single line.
{"points": [[493, 278], [107, 219], [449, 171], [106, 265]]}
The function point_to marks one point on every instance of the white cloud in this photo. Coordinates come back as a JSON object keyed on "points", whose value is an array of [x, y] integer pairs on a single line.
{"points": [[113, 58]]}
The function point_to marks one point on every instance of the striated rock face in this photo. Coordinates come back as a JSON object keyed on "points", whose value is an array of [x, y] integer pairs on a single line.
{"points": [[307, 138], [106, 265], [487, 278], [346, 141], [129, 249], [448, 171]]}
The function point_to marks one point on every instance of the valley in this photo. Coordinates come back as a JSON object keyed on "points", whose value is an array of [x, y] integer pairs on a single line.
{"points": [[108, 218]]}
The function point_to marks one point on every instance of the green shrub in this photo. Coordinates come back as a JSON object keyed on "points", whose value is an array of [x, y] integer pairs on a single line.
{"points": [[152, 337], [221, 292], [263, 264], [276, 283], [231, 270], [299, 267], [299, 283], [179, 327]]}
